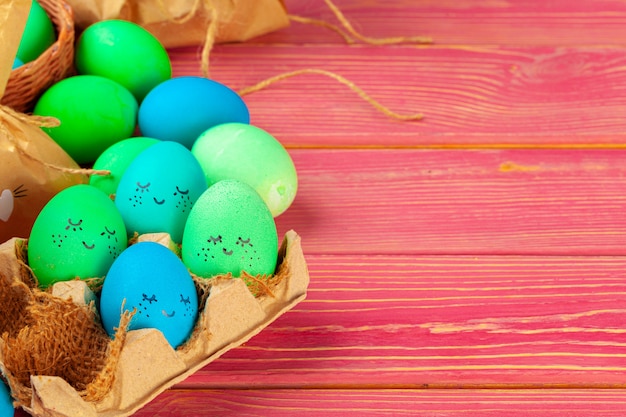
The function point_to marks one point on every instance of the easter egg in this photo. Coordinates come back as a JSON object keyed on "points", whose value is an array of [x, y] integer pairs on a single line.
{"points": [[230, 230], [6, 401], [150, 278], [159, 188], [124, 52], [249, 154], [181, 108], [77, 234], [94, 113], [116, 159], [17, 63], [38, 35]]}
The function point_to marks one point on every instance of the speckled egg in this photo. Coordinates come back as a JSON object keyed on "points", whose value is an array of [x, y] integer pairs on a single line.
{"points": [[230, 230], [116, 159], [159, 188], [249, 154], [150, 278], [78, 234], [181, 108]]}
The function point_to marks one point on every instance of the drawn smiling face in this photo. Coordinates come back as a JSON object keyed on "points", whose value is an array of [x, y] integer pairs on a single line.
{"points": [[158, 189], [151, 280], [240, 251], [79, 233]]}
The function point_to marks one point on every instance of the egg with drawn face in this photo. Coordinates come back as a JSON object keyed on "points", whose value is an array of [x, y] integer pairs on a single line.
{"points": [[77, 234], [156, 192], [150, 279], [230, 230]]}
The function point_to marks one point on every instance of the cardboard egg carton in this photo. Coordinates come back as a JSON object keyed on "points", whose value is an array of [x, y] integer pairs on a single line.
{"points": [[231, 316]]}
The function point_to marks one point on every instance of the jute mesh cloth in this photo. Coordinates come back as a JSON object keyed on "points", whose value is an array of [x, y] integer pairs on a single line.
{"points": [[45, 335]]}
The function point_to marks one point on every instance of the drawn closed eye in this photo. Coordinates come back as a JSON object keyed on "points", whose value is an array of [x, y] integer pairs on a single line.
{"points": [[143, 186], [215, 240], [151, 299], [106, 230], [183, 192], [74, 225], [243, 242]]}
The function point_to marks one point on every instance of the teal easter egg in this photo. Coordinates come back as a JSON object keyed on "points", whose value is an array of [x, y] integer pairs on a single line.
{"points": [[150, 278], [116, 159], [38, 35], [230, 230], [6, 401], [249, 154], [124, 52], [158, 189], [78, 234], [94, 113], [181, 108]]}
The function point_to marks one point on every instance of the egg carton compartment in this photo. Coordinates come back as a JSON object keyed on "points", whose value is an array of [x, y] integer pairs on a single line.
{"points": [[233, 310]]}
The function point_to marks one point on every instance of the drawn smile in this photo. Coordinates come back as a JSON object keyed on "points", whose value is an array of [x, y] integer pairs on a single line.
{"points": [[227, 252], [93, 245], [165, 313], [159, 202]]}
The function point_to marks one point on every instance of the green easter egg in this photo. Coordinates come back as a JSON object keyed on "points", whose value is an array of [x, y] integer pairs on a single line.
{"points": [[94, 112], [38, 35], [124, 52], [249, 154], [230, 229], [78, 234], [116, 158]]}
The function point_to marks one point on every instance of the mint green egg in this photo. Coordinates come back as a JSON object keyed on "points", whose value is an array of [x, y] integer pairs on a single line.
{"points": [[78, 234], [124, 52], [38, 35], [94, 112], [249, 154], [116, 159], [230, 230]]}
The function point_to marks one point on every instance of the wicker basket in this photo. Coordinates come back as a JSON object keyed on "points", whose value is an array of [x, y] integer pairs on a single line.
{"points": [[29, 81]]}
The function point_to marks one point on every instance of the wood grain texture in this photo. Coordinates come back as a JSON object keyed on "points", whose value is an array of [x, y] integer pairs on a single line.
{"points": [[441, 322], [470, 22], [567, 202], [388, 403], [468, 95]]}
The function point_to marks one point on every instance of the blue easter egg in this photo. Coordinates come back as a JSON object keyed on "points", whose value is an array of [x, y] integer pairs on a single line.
{"points": [[181, 108], [6, 401], [17, 63], [150, 278], [156, 192]]}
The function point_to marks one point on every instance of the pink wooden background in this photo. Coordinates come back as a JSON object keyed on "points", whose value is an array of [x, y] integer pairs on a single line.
{"points": [[472, 263]]}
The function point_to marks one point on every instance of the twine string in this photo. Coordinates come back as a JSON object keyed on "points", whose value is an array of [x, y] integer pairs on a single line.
{"points": [[40, 121], [352, 31], [272, 80]]}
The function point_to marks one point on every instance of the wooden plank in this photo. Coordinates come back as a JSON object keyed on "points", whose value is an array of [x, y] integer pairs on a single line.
{"points": [[471, 22], [567, 202], [469, 95], [441, 322], [486, 403]]}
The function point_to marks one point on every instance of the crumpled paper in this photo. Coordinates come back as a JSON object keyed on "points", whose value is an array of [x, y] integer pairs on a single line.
{"points": [[33, 168], [185, 22]]}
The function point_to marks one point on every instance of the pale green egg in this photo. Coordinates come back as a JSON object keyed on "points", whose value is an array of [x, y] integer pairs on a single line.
{"points": [[230, 230], [78, 234], [250, 154], [116, 159]]}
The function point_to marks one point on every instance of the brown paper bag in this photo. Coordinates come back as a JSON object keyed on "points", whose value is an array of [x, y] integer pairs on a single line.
{"points": [[33, 168], [231, 315], [185, 22]]}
